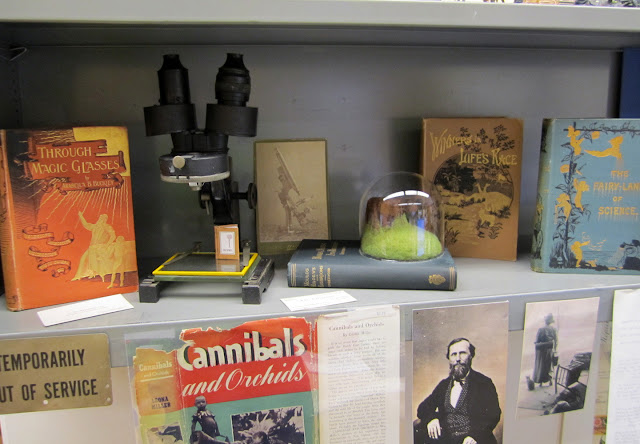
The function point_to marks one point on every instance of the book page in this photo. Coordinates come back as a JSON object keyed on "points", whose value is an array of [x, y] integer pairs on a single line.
{"points": [[358, 370], [604, 378], [623, 418]]}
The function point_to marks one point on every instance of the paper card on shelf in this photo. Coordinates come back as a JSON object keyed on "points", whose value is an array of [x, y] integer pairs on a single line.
{"points": [[84, 309], [623, 416], [317, 300], [359, 375]]}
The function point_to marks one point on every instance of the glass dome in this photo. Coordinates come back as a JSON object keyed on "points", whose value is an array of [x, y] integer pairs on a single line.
{"points": [[401, 218]]}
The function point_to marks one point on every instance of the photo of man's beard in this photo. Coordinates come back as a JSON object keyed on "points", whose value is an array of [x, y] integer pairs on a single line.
{"points": [[460, 370]]}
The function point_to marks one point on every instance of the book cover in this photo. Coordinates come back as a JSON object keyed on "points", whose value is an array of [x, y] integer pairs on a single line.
{"points": [[630, 84], [340, 264], [66, 218], [588, 197], [475, 163], [291, 182], [249, 384]]}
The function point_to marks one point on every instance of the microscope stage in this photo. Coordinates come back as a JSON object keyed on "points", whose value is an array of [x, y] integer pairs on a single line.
{"points": [[202, 266]]}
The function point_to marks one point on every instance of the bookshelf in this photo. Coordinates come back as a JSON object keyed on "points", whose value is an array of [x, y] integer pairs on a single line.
{"points": [[359, 73]]}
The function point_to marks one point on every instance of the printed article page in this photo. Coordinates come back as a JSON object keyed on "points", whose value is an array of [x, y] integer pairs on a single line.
{"points": [[623, 418], [358, 370]]}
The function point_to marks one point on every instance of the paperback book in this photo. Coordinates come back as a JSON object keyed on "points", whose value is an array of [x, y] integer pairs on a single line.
{"points": [[66, 215], [476, 163], [588, 200]]}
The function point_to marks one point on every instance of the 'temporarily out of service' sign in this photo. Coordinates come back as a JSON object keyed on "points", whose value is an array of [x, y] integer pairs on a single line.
{"points": [[53, 373]]}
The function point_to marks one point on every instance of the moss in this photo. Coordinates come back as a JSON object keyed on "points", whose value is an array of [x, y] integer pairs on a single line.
{"points": [[401, 241]]}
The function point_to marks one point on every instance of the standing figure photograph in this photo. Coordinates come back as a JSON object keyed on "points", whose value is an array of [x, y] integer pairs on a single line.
{"points": [[546, 345], [558, 340], [455, 400]]}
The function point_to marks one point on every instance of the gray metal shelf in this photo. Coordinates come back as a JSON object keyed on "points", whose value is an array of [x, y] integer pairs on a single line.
{"points": [[189, 305], [384, 34], [327, 12], [371, 22]]}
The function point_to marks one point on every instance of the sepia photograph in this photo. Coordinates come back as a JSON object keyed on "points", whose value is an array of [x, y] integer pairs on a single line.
{"points": [[276, 426], [291, 182], [459, 373], [558, 341]]}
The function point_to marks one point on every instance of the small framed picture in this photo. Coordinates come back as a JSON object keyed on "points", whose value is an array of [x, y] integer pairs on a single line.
{"points": [[227, 241], [291, 181]]}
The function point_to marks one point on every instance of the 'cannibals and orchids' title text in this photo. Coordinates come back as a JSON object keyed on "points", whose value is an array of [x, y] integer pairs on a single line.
{"points": [[191, 357]]}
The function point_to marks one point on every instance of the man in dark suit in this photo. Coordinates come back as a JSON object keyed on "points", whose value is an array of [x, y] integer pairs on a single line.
{"points": [[463, 408]]}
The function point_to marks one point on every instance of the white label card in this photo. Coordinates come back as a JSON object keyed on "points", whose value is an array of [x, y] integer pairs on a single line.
{"points": [[84, 309], [317, 300]]}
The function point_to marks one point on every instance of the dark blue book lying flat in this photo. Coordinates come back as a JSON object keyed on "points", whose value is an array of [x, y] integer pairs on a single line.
{"points": [[340, 264]]}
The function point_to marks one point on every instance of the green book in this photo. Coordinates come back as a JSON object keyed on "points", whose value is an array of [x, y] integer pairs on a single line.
{"points": [[340, 264]]}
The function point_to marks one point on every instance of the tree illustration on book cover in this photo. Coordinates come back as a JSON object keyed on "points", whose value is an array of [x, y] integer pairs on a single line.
{"points": [[588, 197], [475, 164]]}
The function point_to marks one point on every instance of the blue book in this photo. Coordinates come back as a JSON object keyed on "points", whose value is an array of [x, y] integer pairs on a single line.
{"points": [[340, 264], [588, 204], [630, 84]]}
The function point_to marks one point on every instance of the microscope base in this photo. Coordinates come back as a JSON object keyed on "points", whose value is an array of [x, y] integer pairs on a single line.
{"points": [[254, 279]]}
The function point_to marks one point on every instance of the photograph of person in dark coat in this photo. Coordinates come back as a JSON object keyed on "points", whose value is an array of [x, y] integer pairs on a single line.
{"points": [[463, 408]]}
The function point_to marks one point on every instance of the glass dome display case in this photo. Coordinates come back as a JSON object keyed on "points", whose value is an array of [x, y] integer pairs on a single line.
{"points": [[401, 219]]}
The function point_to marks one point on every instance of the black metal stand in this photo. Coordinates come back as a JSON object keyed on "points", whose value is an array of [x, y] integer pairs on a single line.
{"points": [[252, 288]]}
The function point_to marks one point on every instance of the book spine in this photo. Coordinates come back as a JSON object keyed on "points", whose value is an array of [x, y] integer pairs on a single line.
{"points": [[7, 241], [543, 206], [630, 84], [323, 275]]}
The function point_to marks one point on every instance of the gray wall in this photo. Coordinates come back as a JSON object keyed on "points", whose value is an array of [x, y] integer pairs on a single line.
{"points": [[366, 101]]}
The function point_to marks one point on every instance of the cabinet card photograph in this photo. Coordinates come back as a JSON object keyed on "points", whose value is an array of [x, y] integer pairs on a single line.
{"points": [[291, 183], [459, 373], [558, 341]]}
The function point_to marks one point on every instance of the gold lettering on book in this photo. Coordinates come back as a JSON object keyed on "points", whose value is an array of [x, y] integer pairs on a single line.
{"points": [[617, 209], [442, 143]]}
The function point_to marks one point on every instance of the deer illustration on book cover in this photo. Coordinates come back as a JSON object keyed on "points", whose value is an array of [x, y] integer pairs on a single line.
{"points": [[67, 215], [588, 197], [475, 163]]}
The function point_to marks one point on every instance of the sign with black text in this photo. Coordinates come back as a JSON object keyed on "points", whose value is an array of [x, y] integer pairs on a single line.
{"points": [[54, 373]]}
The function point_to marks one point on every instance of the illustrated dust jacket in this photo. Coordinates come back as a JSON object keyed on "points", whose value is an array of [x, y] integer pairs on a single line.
{"points": [[241, 385], [588, 198], [475, 163], [66, 218]]}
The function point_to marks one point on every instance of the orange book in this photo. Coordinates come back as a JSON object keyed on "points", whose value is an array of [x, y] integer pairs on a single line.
{"points": [[66, 216]]}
